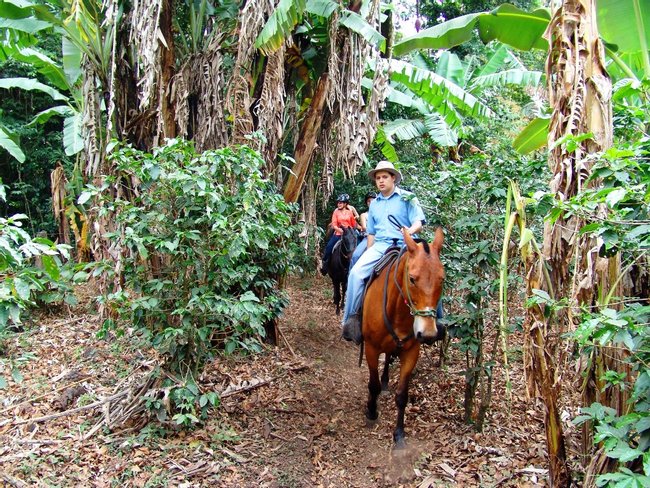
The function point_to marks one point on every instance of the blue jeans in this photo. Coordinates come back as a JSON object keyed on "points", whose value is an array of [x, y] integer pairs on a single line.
{"points": [[361, 247], [358, 275], [360, 272], [330, 247]]}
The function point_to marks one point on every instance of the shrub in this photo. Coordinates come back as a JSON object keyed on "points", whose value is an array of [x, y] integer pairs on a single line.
{"points": [[23, 284], [205, 241]]}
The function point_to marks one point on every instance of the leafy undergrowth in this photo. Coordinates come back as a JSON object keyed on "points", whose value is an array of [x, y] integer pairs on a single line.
{"points": [[291, 417]]}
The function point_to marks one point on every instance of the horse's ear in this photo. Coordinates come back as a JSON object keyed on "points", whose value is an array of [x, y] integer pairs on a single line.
{"points": [[408, 240], [437, 243]]}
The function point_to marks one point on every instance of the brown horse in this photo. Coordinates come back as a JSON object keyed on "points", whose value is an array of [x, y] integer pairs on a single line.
{"points": [[409, 289]]}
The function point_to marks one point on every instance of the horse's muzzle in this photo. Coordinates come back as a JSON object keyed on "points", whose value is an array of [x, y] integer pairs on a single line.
{"points": [[426, 334]]}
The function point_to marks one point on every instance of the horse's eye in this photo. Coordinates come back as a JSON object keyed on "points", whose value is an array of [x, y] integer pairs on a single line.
{"points": [[412, 280]]}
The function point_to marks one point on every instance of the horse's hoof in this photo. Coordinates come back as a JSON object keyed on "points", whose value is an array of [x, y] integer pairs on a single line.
{"points": [[371, 418], [400, 444], [384, 388], [370, 422]]}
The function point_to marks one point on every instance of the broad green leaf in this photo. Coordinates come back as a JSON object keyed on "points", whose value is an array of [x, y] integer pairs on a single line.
{"points": [[356, 23], [439, 92], [387, 149], [20, 3], [638, 231], [439, 131], [71, 61], [517, 77], [404, 129], [322, 8], [72, 138], [615, 196], [45, 115], [497, 61], [402, 98], [3, 383], [50, 267], [517, 28], [16, 375], [29, 25], [533, 137], [451, 68], [8, 143], [31, 84], [508, 24], [44, 65], [21, 288], [442, 36], [625, 23], [280, 25]]}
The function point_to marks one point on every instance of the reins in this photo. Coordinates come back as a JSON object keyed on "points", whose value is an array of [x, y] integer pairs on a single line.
{"points": [[408, 300], [389, 327]]}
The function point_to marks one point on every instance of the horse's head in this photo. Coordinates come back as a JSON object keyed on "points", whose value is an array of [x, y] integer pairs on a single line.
{"points": [[348, 241], [423, 278]]}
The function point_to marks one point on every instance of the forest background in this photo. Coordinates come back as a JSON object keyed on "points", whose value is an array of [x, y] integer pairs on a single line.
{"points": [[507, 139]]}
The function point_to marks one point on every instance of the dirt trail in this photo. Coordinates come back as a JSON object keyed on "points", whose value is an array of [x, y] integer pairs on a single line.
{"points": [[296, 418]]}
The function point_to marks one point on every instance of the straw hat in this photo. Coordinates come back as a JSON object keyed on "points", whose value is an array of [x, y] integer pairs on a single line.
{"points": [[388, 167]]}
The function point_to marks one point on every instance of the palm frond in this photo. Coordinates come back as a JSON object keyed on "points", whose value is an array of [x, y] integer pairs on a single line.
{"points": [[387, 149], [404, 129], [356, 23], [322, 8], [287, 14], [509, 77], [439, 131], [438, 91], [31, 84], [451, 68]]}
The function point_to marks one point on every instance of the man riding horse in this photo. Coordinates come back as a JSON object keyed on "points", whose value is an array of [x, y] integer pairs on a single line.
{"points": [[399, 205]]}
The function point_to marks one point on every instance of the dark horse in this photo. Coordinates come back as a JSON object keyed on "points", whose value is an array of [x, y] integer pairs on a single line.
{"points": [[340, 263], [409, 289]]}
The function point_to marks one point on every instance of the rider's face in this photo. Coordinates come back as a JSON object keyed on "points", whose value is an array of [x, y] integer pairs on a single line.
{"points": [[385, 182]]}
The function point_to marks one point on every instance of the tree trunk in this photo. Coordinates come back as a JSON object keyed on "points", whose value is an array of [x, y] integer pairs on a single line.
{"points": [[307, 140], [166, 119]]}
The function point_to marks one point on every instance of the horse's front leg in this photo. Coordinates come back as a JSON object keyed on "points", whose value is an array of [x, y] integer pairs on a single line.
{"points": [[374, 386], [408, 360], [384, 375], [337, 296]]}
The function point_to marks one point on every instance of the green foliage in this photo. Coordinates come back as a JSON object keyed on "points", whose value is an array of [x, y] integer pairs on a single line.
{"points": [[623, 172], [23, 284], [206, 240], [625, 438]]}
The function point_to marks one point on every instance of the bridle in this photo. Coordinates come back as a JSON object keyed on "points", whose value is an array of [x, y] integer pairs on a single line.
{"points": [[408, 299]]}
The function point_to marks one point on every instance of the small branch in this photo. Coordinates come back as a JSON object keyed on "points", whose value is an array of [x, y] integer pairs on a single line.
{"points": [[13, 481], [245, 388], [72, 411], [285, 340], [32, 400]]}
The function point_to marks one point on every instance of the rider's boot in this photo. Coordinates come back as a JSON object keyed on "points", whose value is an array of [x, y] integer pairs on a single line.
{"points": [[352, 329]]}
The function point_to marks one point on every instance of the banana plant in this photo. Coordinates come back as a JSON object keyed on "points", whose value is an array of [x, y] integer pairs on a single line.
{"points": [[20, 22], [624, 28], [447, 93]]}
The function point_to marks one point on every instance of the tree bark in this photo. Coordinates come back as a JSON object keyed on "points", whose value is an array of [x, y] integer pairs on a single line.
{"points": [[307, 140]]}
